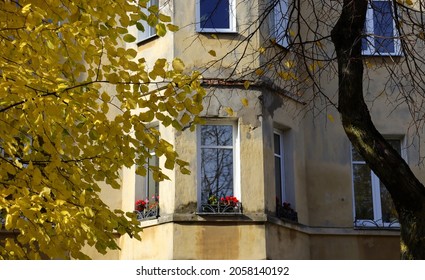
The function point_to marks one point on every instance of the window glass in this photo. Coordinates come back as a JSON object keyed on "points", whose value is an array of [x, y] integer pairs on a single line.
{"points": [[363, 192], [380, 27], [278, 164], [146, 187], [216, 161], [214, 14], [149, 31], [383, 27], [281, 22], [373, 202]]}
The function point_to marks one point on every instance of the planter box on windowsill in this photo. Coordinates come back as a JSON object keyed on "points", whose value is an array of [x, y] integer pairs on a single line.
{"points": [[287, 214], [220, 209], [148, 214]]}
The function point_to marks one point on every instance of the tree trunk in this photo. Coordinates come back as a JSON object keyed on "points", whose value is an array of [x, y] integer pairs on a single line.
{"points": [[407, 192]]}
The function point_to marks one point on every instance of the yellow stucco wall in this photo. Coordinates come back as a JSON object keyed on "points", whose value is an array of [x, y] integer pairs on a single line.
{"points": [[219, 241], [352, 247], [156, 243]]}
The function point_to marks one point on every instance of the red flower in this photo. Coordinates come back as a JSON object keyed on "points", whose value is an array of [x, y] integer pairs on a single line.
{"points": [[229, 200], [140, 205]]}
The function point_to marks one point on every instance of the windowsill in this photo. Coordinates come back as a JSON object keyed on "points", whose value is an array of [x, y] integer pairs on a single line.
{"points": [[218, 214], [256, 218], [376, 228], [147, 40], [383, 55], [217, 32], [280, 45]]}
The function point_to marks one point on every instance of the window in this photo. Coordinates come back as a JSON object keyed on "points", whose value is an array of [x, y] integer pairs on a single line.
{"points": [[150, 31], [217, 161], [280, 23], [381, 30], [147, 192], [279, 168], [284, 209], [215, 15], [372, 202]]}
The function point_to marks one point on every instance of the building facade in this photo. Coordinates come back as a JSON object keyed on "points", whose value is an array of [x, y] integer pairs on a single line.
{"points": [[272, 176]]}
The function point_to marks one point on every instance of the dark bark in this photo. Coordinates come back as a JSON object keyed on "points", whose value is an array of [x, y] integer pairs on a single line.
{"points": [[406, 191]]}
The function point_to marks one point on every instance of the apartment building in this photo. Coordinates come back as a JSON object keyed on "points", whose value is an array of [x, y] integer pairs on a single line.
{"points": [[272, 176]]}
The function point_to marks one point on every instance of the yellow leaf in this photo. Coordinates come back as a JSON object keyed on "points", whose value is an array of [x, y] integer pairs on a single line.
{"points": [[245, 102], [229, 111], [331, 118], [45, 192], [246, 84], [164, 18], [129, 38], [409, 2], [178, 65], [289, 63], [160, 29], [50, 45], [185, 119], [172, 27], [88, 212], [286, 75], [319, 44], [169, 164], [26, 9], [105, 96], [212, 53], [259, 72], [36, 177], [9, 222]]}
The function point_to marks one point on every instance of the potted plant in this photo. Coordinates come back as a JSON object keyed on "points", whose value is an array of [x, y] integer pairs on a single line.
{"points": [[222, 205], [140, 205], [286, 212], [147, 209]]}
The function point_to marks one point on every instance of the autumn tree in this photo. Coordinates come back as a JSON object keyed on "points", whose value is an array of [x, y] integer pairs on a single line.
{"points": [[74, 107], [407, 192], [305, 41]]}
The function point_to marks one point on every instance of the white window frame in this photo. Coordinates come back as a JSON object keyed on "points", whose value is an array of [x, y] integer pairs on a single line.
{"points": [[236, 158], [370, 40], [281, 157], [139, 180], [145, 180], [376, 195], [232, 19], [150, 31], [280, 23]]}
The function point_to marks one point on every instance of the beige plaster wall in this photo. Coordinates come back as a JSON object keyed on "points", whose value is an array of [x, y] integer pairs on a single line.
{"points": [[352, 247], [156, 243], [283, 114], [193, 47], [328, 151], [286, 243], [291, 241], [160, 47], [219, 241]]}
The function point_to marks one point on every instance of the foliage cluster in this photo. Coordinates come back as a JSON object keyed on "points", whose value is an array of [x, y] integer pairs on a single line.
{"points": [[75, 104]]}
